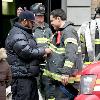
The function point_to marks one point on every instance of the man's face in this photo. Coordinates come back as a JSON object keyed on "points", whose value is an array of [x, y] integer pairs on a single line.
{"points": [[19, 10], [29, 24], [55, 22], [39, 19]]}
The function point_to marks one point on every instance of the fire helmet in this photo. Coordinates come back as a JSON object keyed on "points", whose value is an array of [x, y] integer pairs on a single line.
{"points": [[38, 9]]}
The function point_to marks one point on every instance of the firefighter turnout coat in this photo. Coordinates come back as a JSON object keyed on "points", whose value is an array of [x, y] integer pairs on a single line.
{"points": [[63, 58], [42, 34], [89, 34]]}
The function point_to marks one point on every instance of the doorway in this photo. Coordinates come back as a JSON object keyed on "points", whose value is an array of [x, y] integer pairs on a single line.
{"points": [[5, 25]]}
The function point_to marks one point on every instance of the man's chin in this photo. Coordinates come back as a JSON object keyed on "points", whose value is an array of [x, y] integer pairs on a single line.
{"points": [[55, 28]]}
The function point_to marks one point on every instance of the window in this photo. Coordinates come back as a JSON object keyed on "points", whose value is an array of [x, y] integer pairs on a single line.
{"points": [[8, 7]]}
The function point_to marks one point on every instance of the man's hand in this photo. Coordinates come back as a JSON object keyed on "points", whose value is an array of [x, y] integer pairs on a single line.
{"points": [[64, 79], [47, 52]]}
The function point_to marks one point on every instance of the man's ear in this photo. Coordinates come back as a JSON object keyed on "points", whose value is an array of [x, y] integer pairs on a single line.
{"points": [[24, 22], [58, 18]]}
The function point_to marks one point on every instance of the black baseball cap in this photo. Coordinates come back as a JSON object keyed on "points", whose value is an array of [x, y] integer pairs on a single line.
{"points": [[28, 15]]}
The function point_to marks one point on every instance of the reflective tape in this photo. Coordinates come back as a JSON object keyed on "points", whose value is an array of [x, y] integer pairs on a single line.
{"points": [[71, 79], [56, 50], [42, 40], [74, 79], [57, 76], [96, 88], [87, 63], [98, 81], [68, 64], [79, 49], [77, 78], [51, 75], [70, 40], [82, 38], [52, 99], [97, 41]]}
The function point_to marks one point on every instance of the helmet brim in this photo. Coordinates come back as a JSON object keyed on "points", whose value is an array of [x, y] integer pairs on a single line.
{"points": [[39, 14]]}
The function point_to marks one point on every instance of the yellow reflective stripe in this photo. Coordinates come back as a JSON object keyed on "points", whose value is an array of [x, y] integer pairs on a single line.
{"points": [[61, 50], [74, 79], [87, 63], [72, 40], [56, 76], [42, 40], [56, 50], [97, 41], [98, 81], [71, 79], [52, 99], [52, 46], [68, 64], [51, 75], [77, 78], [79, 49], [96, 88], [82, 38]]}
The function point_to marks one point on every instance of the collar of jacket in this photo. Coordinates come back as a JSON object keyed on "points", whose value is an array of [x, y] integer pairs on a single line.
{"points": [[44, 25], [66, 25], [17, 24], [12, 21], [15, 19]]}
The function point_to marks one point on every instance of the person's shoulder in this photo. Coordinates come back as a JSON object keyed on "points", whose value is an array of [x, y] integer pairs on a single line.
{"points": [[85, 23], [68, 26], [97, 19], [13, 20], [46, 25]]}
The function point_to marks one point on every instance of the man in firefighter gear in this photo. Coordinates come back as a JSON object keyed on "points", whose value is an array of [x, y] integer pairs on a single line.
{"points": [[42, 33], [41, 30], [63, 59], [89, 34]]}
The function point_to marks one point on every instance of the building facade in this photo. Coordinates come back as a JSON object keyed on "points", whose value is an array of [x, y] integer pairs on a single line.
{"points": [[77, 11]]}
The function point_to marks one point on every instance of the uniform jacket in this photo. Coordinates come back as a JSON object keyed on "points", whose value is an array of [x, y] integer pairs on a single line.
{"points": [[23, 53], [63, 59], [5, 74], [86, 35], [42, 34]]}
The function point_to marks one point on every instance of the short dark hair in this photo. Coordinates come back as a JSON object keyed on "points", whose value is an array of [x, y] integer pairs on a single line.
{"points": [[98, 10], [59, 13]]}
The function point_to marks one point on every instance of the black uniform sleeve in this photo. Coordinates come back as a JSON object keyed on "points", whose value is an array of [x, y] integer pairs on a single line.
{"points": [[71, 49]]}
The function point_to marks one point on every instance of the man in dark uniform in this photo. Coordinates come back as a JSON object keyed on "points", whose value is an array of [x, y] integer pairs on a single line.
{"points": [[24, 57], [41, 32], [63, 60]]}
